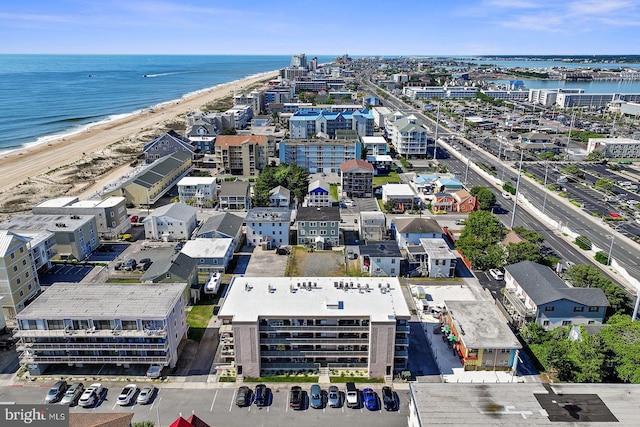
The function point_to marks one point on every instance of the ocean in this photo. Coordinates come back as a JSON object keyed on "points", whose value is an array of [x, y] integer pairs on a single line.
{"points": [[43, 97]]}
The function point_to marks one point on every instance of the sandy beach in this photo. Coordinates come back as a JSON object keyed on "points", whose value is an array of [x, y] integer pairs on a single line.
{"points": [[26, 173]]}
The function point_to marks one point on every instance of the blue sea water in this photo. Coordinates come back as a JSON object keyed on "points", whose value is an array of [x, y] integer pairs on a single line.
{"points": [[45, 95]]}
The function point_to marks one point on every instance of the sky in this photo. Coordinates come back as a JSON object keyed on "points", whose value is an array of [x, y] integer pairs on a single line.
{"points": [[327, 27]]}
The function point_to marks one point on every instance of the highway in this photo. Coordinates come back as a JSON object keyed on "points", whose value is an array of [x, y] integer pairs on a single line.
{"points": [[625, 253]]}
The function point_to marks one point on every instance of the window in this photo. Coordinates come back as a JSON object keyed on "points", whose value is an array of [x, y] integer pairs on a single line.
{"points": [[545, 323], [578, 309], [24, 262], [566, 322], [323, 224], [21, 293], [594, 309], [393, 271], [15, 268], [550, 308], [393, 260]]}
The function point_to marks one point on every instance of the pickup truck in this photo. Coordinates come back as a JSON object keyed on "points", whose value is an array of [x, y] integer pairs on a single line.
{"points": [[353, 396]]}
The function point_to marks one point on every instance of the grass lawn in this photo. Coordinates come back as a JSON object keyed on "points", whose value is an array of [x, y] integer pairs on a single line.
{"points": [[392, 178], [198, 318], [333, 192]]}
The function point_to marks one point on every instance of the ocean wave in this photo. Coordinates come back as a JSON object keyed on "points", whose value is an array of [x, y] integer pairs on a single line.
{"points": [[166, 74], [71, 119]]}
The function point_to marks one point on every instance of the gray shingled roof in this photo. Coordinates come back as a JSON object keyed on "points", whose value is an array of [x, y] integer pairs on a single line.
{"points": [[175, 210], [384, 248], [179, 265], [318, 214], [226, 223], [280, 190], [159, 169], [417, 225], [543, 286], [171, 135], [234, 188]]}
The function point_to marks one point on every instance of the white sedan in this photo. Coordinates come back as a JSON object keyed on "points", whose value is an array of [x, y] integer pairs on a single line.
{"points": [[91, 395], [126, 395]]}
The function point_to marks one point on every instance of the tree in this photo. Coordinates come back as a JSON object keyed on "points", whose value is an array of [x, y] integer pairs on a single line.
{"points": [[229, 131], [486, 198], [146, 423], [290, 176], [364, 151], [571, 169], [605, 184], [589, 276], [622, 340], [481, 231], [528, 235], [523, 251], [548, 155], [389, 206], [595, 156]]}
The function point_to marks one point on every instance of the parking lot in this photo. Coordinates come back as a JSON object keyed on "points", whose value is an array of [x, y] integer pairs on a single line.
{"points": [[262, 263], [217, 407], [64, 273]]}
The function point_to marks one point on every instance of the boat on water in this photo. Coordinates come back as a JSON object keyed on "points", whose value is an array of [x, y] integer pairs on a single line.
{"points": [[213, 283]]}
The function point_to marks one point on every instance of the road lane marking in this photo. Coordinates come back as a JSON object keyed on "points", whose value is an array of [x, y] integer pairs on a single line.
{"points": [[214, 400]]}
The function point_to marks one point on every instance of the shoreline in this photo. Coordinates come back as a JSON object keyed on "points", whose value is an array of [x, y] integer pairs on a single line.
{"points": [[17, 167]]}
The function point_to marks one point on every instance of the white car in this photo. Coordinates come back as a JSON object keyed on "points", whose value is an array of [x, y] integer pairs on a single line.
{"points": [[496, 274], [91, 395], [146, 394], [506, 195], [126, 395]]}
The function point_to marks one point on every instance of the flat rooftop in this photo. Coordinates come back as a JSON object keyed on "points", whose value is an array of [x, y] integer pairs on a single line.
{"points": [[197, 180], [398, 190], [105, 301], [268, 215], [252, 297], [481, 325], [535, 404], [55, 223], [207, 248], [438, 249]]}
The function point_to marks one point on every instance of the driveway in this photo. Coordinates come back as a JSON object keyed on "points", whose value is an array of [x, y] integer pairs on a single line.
{"points": [[266, 263]]}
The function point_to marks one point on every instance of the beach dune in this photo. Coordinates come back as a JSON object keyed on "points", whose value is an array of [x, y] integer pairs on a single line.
{"points": [[19, 167]]}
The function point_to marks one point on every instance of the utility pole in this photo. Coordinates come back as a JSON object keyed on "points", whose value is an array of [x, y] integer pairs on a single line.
{"points": [[435, 140], [544, 202], [515, 202], [610, 249], [573, 117]]}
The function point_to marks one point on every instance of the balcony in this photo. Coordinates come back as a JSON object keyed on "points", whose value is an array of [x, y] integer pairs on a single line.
{"points": [[30, 358], [314, 353], [74, 333], [314, 328], [292, 365], [517, 304], [62, 346], [298, 341]]}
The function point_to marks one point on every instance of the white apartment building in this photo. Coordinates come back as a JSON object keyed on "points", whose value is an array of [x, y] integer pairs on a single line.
{"points": [[198, 191], [432, 258], [381, 258], [372, 225], [407, 133], [375, 145], [211, 255], [294, 323], [175, 221], [616, 148], [268, 227], [80, 324]]}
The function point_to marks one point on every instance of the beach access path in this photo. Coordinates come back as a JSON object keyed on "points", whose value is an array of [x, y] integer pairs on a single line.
{"points": [[18, 166]]}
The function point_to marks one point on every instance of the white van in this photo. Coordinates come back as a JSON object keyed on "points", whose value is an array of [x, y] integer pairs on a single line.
{"points": [[496, 274]]}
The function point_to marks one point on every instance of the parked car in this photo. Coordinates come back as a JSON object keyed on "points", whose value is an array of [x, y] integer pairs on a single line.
{"points": [[283, 251], [154, 371], [334, 400], [134, 219], [178, 247], [496, 274], [144, 264], [243, 398], [118, 265], [315, 397], [260, 395], [7, 344], [389, 399], [56, 392], [353, 395], [72, 395], [146, 394], [91, 396], [126, 395], [370, 399], [130, 265], [506, 195], [295, 397]]}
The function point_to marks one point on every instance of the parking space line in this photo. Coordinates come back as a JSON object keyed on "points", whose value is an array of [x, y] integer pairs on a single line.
{"points": [[114, 406], [214, 400], [154, 402], [233, 399]]}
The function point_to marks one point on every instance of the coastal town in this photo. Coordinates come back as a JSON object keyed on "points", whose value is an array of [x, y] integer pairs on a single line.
{"points": [[363, 241]]}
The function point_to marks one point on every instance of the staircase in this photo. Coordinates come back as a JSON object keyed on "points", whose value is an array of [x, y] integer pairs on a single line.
{"points": [[239, 379], [324, 375]]}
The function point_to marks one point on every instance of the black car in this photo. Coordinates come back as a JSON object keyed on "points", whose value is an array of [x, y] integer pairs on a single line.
{"points": [[295, 397], [56, 392], [260, 396], [389, 399], [243, 398], [178, 247], [283, 251], [144, 264]]}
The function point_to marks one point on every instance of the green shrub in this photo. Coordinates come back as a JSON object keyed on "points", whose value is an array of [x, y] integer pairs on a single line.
{"points": [[602, 258], [583, 242]]}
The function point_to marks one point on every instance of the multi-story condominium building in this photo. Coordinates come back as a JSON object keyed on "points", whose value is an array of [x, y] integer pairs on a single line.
{"points": [[372, 225], [76, 236], [379, 114], [43, 248], [198, 191], [318, 227], [375, 145], [110, 213], [103, 323], [565, 100], [252, 99], [319, 155], [299, 60], [615, 148], [151, 183], [381, 258], [18, 276], [408, 134], [235, 195], [534, 293], [319, 194], [480, 335], [547, 97], [166, 144], [175, 221], [432, 258], [513, 95], [268, 227], [303, 125], [241, 154], [356, 178], [278, 95], [442, 92], [274, 324]]}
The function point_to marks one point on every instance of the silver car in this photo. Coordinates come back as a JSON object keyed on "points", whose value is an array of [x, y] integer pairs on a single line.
{"points": [[146, 394], [72, 395], [334, 400]]}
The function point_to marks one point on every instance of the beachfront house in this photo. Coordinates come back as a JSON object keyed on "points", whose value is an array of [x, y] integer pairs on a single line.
{"points": [[279, 197], [18, 276], [318, 227], [166, 144], [356, 178], [409, 231], [268, 228]]}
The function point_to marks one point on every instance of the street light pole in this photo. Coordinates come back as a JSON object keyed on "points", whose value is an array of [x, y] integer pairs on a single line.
{"points": [[435, 136], [515, 201], [544, 202], [610, 249], [466, 172]]}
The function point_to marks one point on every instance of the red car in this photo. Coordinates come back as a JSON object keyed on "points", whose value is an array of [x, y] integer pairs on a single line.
{"points": [[134, 218], [614, 215]]}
